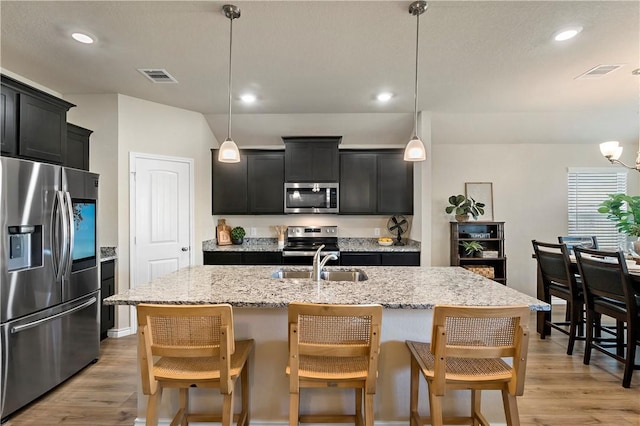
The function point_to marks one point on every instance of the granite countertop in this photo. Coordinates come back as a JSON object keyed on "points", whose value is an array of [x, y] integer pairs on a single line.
{"points": [[108, 253], [345, 245], [395, 288]]}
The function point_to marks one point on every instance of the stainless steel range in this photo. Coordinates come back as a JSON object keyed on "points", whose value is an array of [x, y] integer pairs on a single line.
{"points": [[304, 241]]}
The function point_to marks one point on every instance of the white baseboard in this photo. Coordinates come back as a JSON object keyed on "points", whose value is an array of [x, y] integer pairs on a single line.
{"points": [[119, 332]]}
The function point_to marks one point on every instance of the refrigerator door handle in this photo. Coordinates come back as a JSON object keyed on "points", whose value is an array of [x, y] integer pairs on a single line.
{"points": [[19, 328], [64, 244], [58, 245], [70, 227]]}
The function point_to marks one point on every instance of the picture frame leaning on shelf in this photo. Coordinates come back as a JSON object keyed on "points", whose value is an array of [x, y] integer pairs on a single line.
{"points": [[481, 192]]}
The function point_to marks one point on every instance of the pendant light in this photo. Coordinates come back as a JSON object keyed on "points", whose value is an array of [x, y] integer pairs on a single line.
{"points": [[415, 151], [612, 151], [229, 150]]}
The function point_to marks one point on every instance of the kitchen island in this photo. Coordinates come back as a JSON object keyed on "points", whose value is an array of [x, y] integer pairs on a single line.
{"points": [[408, 295]]}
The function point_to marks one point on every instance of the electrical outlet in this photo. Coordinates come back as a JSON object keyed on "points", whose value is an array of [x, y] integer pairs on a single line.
{"points": [[252, 232], [376, 232]]}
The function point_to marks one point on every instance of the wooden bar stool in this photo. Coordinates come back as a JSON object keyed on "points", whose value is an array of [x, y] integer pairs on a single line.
{"points": [[466, 351], [196, 348], [334, 346]]}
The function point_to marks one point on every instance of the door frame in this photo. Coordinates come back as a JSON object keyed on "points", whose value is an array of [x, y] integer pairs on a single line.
{"points": [[133, 157]]}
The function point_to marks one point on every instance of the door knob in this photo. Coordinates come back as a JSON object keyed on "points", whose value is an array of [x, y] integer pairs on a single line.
{"points": [[185, 249]]}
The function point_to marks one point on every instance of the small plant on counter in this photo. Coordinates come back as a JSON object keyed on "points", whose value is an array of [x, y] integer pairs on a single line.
{"points": [[472, 248], [237, 234], [462, 207]]}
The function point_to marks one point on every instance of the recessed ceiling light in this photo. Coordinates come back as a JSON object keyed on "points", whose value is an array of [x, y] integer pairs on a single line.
{"points": [[248, 98], [82, 38], [384, 97], [567, 33]]}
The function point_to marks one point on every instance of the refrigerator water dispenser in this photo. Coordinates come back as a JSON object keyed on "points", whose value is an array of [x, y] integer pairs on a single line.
{"points": [[25, 247]]}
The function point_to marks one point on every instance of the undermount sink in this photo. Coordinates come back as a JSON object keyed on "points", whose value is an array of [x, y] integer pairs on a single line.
{"points": [[355, 275], [345, 275], [283, 273]]}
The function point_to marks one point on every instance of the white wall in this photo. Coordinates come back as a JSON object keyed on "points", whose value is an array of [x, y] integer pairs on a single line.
{"points": [[100, 114], [529, 194]]}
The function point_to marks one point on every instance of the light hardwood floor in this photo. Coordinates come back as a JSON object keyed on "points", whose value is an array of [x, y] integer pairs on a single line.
{"points": [[559, 390]]}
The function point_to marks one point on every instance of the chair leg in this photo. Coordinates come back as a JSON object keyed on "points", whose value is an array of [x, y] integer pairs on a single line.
{"points": [[358, 395], [184, 405], [590, 325], [152, 407], [244, 394], [620, 338], [227, 409], [368, 409], [510, 408], [435, 406], [574, 324], [630, 360], [294, 406], [476, 403], [413, 392]]}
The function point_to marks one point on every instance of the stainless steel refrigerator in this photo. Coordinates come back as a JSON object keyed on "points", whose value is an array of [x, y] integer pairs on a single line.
{"points": [[49, 278]]}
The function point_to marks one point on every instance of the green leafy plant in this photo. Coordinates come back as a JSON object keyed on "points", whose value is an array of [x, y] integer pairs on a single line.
{"points": [[461, 205], [625, 211], [237, 233], [471, 247]]}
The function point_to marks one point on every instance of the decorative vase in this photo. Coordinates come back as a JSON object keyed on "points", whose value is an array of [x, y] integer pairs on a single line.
{"points": [[462, 217], [636, 246], [237, 241]]}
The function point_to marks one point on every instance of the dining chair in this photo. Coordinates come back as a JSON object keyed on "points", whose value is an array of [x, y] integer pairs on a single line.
{"points": [[334, 346], [586, 241], [195, 348], [467, 351], [608, 290], [559, 280]]}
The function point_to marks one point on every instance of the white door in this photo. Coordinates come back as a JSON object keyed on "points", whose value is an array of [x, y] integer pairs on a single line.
{"points": [[161, 216]]}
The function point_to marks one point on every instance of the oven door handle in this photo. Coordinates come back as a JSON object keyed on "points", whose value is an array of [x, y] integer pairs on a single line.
{"points": [[289, 253]]}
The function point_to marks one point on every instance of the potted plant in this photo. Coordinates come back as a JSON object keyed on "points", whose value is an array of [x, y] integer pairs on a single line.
{"points": [[237, 235], [472, 248], [463, 207], [625, 211]]}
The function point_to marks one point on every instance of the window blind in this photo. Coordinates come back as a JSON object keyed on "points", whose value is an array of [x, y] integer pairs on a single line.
{"points": [[587, 189]]}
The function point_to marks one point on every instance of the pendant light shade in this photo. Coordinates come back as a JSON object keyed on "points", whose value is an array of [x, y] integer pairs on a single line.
{"points": [[612, 151], [415, 150], [229, 152]]}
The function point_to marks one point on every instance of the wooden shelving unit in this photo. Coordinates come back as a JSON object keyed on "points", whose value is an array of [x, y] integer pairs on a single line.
{"points": [[491, 236]]}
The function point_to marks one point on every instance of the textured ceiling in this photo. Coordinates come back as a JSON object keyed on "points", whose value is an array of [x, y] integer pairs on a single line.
{"points": [[328, 60]]}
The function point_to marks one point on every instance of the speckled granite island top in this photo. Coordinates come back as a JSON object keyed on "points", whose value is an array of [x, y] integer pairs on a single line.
{"points": [[392, 287]]}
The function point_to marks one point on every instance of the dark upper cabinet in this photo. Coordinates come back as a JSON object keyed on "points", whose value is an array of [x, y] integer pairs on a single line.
{"points": [[375, 182], [312, 159], [253, 186], [265, 180], [8, 121], [358, 182], [77, 155], [229, 185], [40, 123], [395, 184]]}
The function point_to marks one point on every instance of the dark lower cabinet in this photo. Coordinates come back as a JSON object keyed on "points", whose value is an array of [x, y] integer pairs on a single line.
{"points": [[107, 288], [242, 258], [77, 147], [380, 259]]}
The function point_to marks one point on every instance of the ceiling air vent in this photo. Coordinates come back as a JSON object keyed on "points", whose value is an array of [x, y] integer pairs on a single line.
{"points": [[600, 71], [158, 75]]}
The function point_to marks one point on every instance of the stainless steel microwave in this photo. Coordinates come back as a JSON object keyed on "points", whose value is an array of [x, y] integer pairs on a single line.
{"points": [[311, 197]]}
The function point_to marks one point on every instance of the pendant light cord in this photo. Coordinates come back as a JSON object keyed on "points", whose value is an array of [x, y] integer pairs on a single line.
{"points": [[415, 95], [230, 46]]}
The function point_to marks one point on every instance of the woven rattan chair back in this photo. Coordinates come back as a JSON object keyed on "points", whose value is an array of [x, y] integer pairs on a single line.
{"points": [[185, 346], [558, 280], [334, 346], [466, 352], [608, 290]]}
